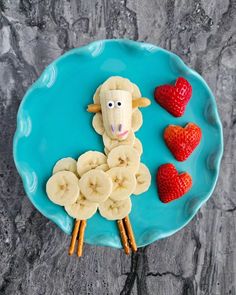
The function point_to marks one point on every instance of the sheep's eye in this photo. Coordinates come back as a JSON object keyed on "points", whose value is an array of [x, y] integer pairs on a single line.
{"points": [[110, 104], [118, 104]]}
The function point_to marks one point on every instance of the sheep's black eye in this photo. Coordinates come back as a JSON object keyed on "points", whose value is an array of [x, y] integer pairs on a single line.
{"points": [[110, 104], [118, 104]]}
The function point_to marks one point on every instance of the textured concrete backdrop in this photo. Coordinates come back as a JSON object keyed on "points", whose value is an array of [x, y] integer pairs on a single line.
{"points": [[201, 258]]}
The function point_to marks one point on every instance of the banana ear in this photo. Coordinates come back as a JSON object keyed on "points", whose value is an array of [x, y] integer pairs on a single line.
{"points": [[94, 108], [141, 102]]}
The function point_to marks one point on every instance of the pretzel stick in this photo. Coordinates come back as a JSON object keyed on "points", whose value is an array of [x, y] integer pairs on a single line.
{"points": [[74, 237], [94, 108], [81, 238], [123, 236], [130, 233], [141, 102]]}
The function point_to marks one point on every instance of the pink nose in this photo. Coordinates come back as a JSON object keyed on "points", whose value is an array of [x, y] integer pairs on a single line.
{"points": [[123, 133]]}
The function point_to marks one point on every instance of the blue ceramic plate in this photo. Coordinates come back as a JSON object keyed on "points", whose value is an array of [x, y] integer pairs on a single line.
{"points": [[52, 123]]}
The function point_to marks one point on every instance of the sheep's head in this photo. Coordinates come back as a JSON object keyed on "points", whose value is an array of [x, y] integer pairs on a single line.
{"points": [[116, 107]]}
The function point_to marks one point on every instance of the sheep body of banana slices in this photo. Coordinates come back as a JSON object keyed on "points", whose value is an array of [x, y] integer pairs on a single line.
{"points": [[102, 181], [96, 181]]}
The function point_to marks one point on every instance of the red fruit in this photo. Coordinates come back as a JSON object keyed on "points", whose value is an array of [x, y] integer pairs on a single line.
{"points": [[182, 141], [174, 98], [170, 184]]}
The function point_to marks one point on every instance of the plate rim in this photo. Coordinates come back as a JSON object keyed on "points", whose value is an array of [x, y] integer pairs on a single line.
{"points": [[137, 45]]}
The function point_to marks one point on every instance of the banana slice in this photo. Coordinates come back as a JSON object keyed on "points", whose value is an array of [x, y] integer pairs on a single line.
{"points": [[136, 91], [114, 210], [106, 151], [63, 188], [143, 178], [65, 164], [96, 96], [98, 123], [90, 160], [138, 146], [137, 120], [117, 83], [96, 185], [124, 156], [112, 143], [103, 167], [124, 183], [82, 208]]}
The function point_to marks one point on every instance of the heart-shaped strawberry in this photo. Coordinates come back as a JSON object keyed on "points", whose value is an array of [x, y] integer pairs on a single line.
{"points": [[182, 141], [170, 184], [174, 98]]}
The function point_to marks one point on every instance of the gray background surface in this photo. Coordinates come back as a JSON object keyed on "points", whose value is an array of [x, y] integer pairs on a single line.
{"points": [[201, 258]]}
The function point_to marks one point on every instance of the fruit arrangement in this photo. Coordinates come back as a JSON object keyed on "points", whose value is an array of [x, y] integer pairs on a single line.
{"points": [[105, 181]]}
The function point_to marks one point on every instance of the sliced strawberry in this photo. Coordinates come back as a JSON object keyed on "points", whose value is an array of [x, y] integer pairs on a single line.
{"points": [[170, 184], [174, 98], [182, 141]]}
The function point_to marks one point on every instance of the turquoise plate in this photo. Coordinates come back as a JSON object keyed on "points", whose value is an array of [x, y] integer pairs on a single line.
{"points": [[52, 123]]}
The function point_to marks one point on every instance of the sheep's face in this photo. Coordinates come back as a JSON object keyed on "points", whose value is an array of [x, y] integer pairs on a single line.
{"points": [[116, 107]]}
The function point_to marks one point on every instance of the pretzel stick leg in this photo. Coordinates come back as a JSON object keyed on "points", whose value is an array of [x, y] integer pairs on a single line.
{"points": [[123, 236], [81, 238], [130, 233], [74, 237]]}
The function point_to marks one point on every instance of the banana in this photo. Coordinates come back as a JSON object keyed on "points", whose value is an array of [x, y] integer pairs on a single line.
{"points": [[96, 96], [82, 209], [124, 156], [112, 143], [143, 178], [65, 164], [138, 146], [98, 123], [90, 160], [124, 183], [95, 185], [116, 107], [63, 188], [114, 210], [137, 120], [103, 167]]}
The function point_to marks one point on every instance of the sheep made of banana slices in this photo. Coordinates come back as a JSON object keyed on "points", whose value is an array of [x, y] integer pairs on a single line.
{"points": [[106, 180]]}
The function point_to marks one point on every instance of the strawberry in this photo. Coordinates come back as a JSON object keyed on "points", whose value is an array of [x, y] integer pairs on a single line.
{"points": [[170, 184], [174, 98], [182, 141]]}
